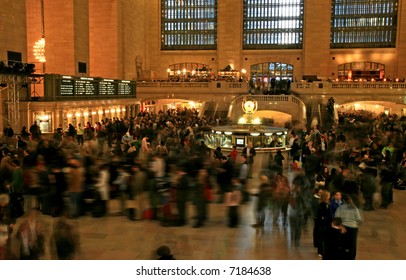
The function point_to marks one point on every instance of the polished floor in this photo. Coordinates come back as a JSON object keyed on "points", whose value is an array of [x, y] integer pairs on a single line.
{"points": [[381, 237]]}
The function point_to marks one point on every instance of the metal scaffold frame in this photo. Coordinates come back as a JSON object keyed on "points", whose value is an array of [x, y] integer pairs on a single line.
{"points": [[13, 86]]}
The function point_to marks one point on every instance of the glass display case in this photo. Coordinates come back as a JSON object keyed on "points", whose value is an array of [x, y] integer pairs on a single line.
{"points": [[262, 137]]}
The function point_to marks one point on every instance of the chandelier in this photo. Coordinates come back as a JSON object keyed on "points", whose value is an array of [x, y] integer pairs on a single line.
{"points": [[39, 50]]}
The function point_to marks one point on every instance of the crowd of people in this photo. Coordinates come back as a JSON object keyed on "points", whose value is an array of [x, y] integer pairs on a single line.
{"points": [[162, 163]]}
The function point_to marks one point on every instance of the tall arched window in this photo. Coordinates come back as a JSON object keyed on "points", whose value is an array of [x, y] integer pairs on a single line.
{"points": [[188, 24], [273, 24], [364, 23]]}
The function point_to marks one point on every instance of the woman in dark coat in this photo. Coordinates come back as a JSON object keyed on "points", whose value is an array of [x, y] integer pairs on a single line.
{"points": [[323, 221]]}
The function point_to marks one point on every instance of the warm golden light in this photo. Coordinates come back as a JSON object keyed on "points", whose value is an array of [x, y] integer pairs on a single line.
{"points": [[256, 121], [77, 114], [39, 50], [69, 115], [243, 71], [242, 120]]}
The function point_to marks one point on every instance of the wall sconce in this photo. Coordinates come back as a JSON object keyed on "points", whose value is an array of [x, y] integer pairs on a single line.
{"points": [[100, 112], [77, 114], [69, 115], [86, 113], [118, 110], [113, 111]]}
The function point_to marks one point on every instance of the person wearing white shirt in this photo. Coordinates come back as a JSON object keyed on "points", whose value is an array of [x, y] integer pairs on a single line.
{"points": [[351, 219], [103, 186]]}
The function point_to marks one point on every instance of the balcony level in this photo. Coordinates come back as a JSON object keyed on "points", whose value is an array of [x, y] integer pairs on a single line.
{"points": [[347, 92], [190, 90]]}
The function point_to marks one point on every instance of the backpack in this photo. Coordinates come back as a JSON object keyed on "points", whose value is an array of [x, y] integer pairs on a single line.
{"points": [[281, 190]]}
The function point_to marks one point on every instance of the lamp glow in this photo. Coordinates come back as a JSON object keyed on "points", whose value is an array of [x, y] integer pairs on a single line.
{"points": [[256, 121], [242, 120], [39, 50]]}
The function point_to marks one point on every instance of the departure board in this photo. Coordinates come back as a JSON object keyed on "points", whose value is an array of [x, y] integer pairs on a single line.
{"points": [[85, 87], [70, 86], [66, 86], [125, 88], [107, 87]]}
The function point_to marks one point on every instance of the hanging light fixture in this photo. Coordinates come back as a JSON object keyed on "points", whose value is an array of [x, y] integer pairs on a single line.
{"points": [[39, 50]]}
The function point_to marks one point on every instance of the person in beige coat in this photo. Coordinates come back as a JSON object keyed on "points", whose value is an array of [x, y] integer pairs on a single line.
{"points": [[75, 187], [138, 183]]}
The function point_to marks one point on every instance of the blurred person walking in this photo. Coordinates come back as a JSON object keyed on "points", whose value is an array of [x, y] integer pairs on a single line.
{"points": [[351, 219]]}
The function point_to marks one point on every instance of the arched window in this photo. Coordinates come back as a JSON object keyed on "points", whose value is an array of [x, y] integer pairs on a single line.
{"points": [[188, 24], [363, 23], [188, 69], [364, 70], [271, 76], [273, 24]]}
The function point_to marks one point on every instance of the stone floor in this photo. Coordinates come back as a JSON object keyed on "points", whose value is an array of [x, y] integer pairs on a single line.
{"points": [[381, 237]]}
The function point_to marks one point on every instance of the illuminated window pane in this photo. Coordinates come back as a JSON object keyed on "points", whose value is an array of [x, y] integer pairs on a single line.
{"points": [[188, 24], [364, 23], [273, 24]]}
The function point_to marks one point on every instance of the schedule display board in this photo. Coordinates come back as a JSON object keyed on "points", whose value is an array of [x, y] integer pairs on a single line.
{"points": [[66, 87], [71, 86]]}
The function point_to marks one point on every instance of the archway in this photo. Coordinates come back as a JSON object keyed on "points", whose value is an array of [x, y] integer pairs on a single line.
{"points": [[188, 70], [272, 117], [361, 71], [272, 77], [155, 105], [371, 108]]}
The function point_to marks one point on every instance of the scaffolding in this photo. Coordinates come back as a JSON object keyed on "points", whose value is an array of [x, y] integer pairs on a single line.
{"points": [[12, 87]]}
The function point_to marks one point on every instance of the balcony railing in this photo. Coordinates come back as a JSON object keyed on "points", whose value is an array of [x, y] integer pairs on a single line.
{"points": [[213, 86], [349, 87]]}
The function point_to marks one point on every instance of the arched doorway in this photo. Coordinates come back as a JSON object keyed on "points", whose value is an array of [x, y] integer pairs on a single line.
{"points": [[189, 71], [272, 77], [361, 71]]}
